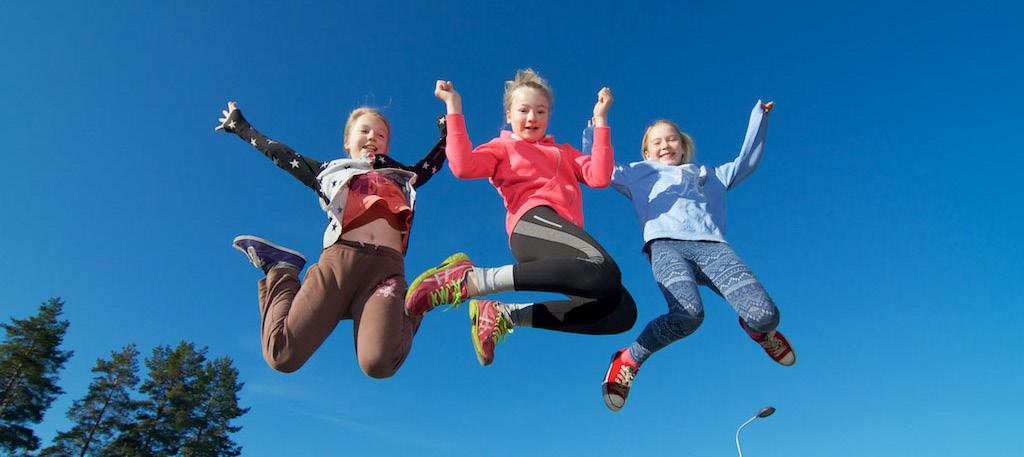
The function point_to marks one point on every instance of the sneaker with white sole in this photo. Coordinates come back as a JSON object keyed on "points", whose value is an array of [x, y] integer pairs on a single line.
{"points": [[266, 255], [774, 344], [618, 380], [490, 326]]}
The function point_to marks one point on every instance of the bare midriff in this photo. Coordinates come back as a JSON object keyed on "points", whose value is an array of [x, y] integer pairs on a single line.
{"points": [[378, 232]]}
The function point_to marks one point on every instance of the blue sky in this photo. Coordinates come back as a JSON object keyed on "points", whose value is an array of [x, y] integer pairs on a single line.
{"points": [[882, 219]]}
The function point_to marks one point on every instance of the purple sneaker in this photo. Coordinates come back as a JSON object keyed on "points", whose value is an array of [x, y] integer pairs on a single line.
{"points": [[266, 255]]}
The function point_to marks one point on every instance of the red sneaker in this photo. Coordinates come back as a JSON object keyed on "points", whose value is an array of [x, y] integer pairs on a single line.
{"points": [[776, 345], [490, 326], [618, 380], [444, 284]]}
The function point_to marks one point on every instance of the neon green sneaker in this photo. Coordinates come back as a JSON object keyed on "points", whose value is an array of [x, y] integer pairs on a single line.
{"points": [[444, 284], [490, 326]]}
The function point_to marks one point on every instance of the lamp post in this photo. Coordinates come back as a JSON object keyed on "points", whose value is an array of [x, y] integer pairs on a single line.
{"points": [[765, 412]]}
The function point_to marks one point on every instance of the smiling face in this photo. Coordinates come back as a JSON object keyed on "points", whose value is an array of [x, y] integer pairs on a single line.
{"points": [[366, 135], [528, 113], [665, 144]]}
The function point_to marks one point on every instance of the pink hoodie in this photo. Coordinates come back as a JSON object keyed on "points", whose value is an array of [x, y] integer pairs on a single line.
{"points": [[528, 175]]}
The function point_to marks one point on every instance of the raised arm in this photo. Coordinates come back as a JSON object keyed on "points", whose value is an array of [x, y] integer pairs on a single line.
{"points": [[302, 168], [733, 173], [595, 170], [426, 167], [465, 164], [621, 180]]}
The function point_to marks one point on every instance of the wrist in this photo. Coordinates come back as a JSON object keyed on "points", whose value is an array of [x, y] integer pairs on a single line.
{"points": [[453, 106], [600, 121]]}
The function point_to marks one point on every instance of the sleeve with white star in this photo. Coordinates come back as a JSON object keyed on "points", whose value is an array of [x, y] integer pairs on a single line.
{"points": [[302, 168], [426, 167]]}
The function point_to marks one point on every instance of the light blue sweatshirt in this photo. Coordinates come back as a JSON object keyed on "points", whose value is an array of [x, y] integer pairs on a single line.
{"points": [[687, 202]]}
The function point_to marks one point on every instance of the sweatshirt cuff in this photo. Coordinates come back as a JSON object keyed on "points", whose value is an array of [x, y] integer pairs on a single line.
{"points": [[456, 124]]}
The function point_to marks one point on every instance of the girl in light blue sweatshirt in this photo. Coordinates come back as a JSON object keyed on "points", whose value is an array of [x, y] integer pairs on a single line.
{"points": [[681, 207]]}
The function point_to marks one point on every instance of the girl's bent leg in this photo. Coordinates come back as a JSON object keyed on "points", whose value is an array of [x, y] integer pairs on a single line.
{"points": [[382, 332], [731, 278], [295, 321], [588, 316], [555, 255]]}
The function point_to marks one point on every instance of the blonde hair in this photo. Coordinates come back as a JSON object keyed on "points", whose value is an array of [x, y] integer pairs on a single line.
{"points": [[527, 78], [689, 151], [356, 113]]}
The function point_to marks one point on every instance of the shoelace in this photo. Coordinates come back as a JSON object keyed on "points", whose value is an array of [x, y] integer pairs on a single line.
{"points": [[504, 327], [625, 375], [450, 294], [254, 257], [501, 326], [772, 344]]}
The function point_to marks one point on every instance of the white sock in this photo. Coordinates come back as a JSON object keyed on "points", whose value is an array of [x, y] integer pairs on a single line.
{"points": [[493, 280], [521, 315]]}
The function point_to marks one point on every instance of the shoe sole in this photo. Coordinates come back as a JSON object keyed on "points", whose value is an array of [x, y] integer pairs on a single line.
{"points": [[457, 257], [234, 244], [606, 394], [604, 388], [478, 347]]}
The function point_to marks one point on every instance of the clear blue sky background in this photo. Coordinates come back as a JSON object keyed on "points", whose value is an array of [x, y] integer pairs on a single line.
{"points": [[884, 220]]}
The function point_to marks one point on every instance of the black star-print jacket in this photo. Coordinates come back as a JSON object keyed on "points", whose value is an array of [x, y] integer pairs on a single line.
{"points": [[306, 169], [310, 171]]}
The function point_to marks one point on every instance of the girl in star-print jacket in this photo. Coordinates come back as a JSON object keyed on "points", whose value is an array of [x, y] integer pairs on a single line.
{"points": [[369, 199]]}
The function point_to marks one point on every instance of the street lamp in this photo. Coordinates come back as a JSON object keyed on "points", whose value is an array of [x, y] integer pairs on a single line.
{"points": [[764, 412]]}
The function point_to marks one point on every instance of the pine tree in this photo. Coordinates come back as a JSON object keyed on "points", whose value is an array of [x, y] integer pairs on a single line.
{"points": [[30, 357], [220, 407], [106, 408], [188, 409]]}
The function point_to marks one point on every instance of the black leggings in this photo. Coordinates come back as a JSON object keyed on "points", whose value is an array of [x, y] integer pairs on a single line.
{"points": [[555, 255]]}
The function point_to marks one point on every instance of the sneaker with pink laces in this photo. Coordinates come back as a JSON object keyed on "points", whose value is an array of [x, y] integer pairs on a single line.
{"points": [[490, 325], [444, 284], [773, 343], [618, 380]]}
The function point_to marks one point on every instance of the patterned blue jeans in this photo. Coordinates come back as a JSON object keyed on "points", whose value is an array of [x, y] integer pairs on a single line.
{"points": [[679, 267]]}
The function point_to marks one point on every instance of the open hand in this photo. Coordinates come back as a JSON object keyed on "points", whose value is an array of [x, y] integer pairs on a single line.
{"points": [[232, 106], [767, 106]]}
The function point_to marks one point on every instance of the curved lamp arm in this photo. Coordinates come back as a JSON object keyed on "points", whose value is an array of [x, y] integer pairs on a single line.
{"points": [[764, 412]]}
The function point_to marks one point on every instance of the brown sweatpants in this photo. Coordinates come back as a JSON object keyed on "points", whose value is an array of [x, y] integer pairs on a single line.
{"points": [[352, 280]]}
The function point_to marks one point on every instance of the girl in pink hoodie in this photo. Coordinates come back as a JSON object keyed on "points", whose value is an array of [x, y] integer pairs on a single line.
{"points": [[540, 184]]}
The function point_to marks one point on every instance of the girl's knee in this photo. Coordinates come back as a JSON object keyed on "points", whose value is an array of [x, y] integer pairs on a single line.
{"points": [[379, 365], [382, 364], [283, 364], [763, 320], [626, 314], [683, 322], [604, 280]]}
